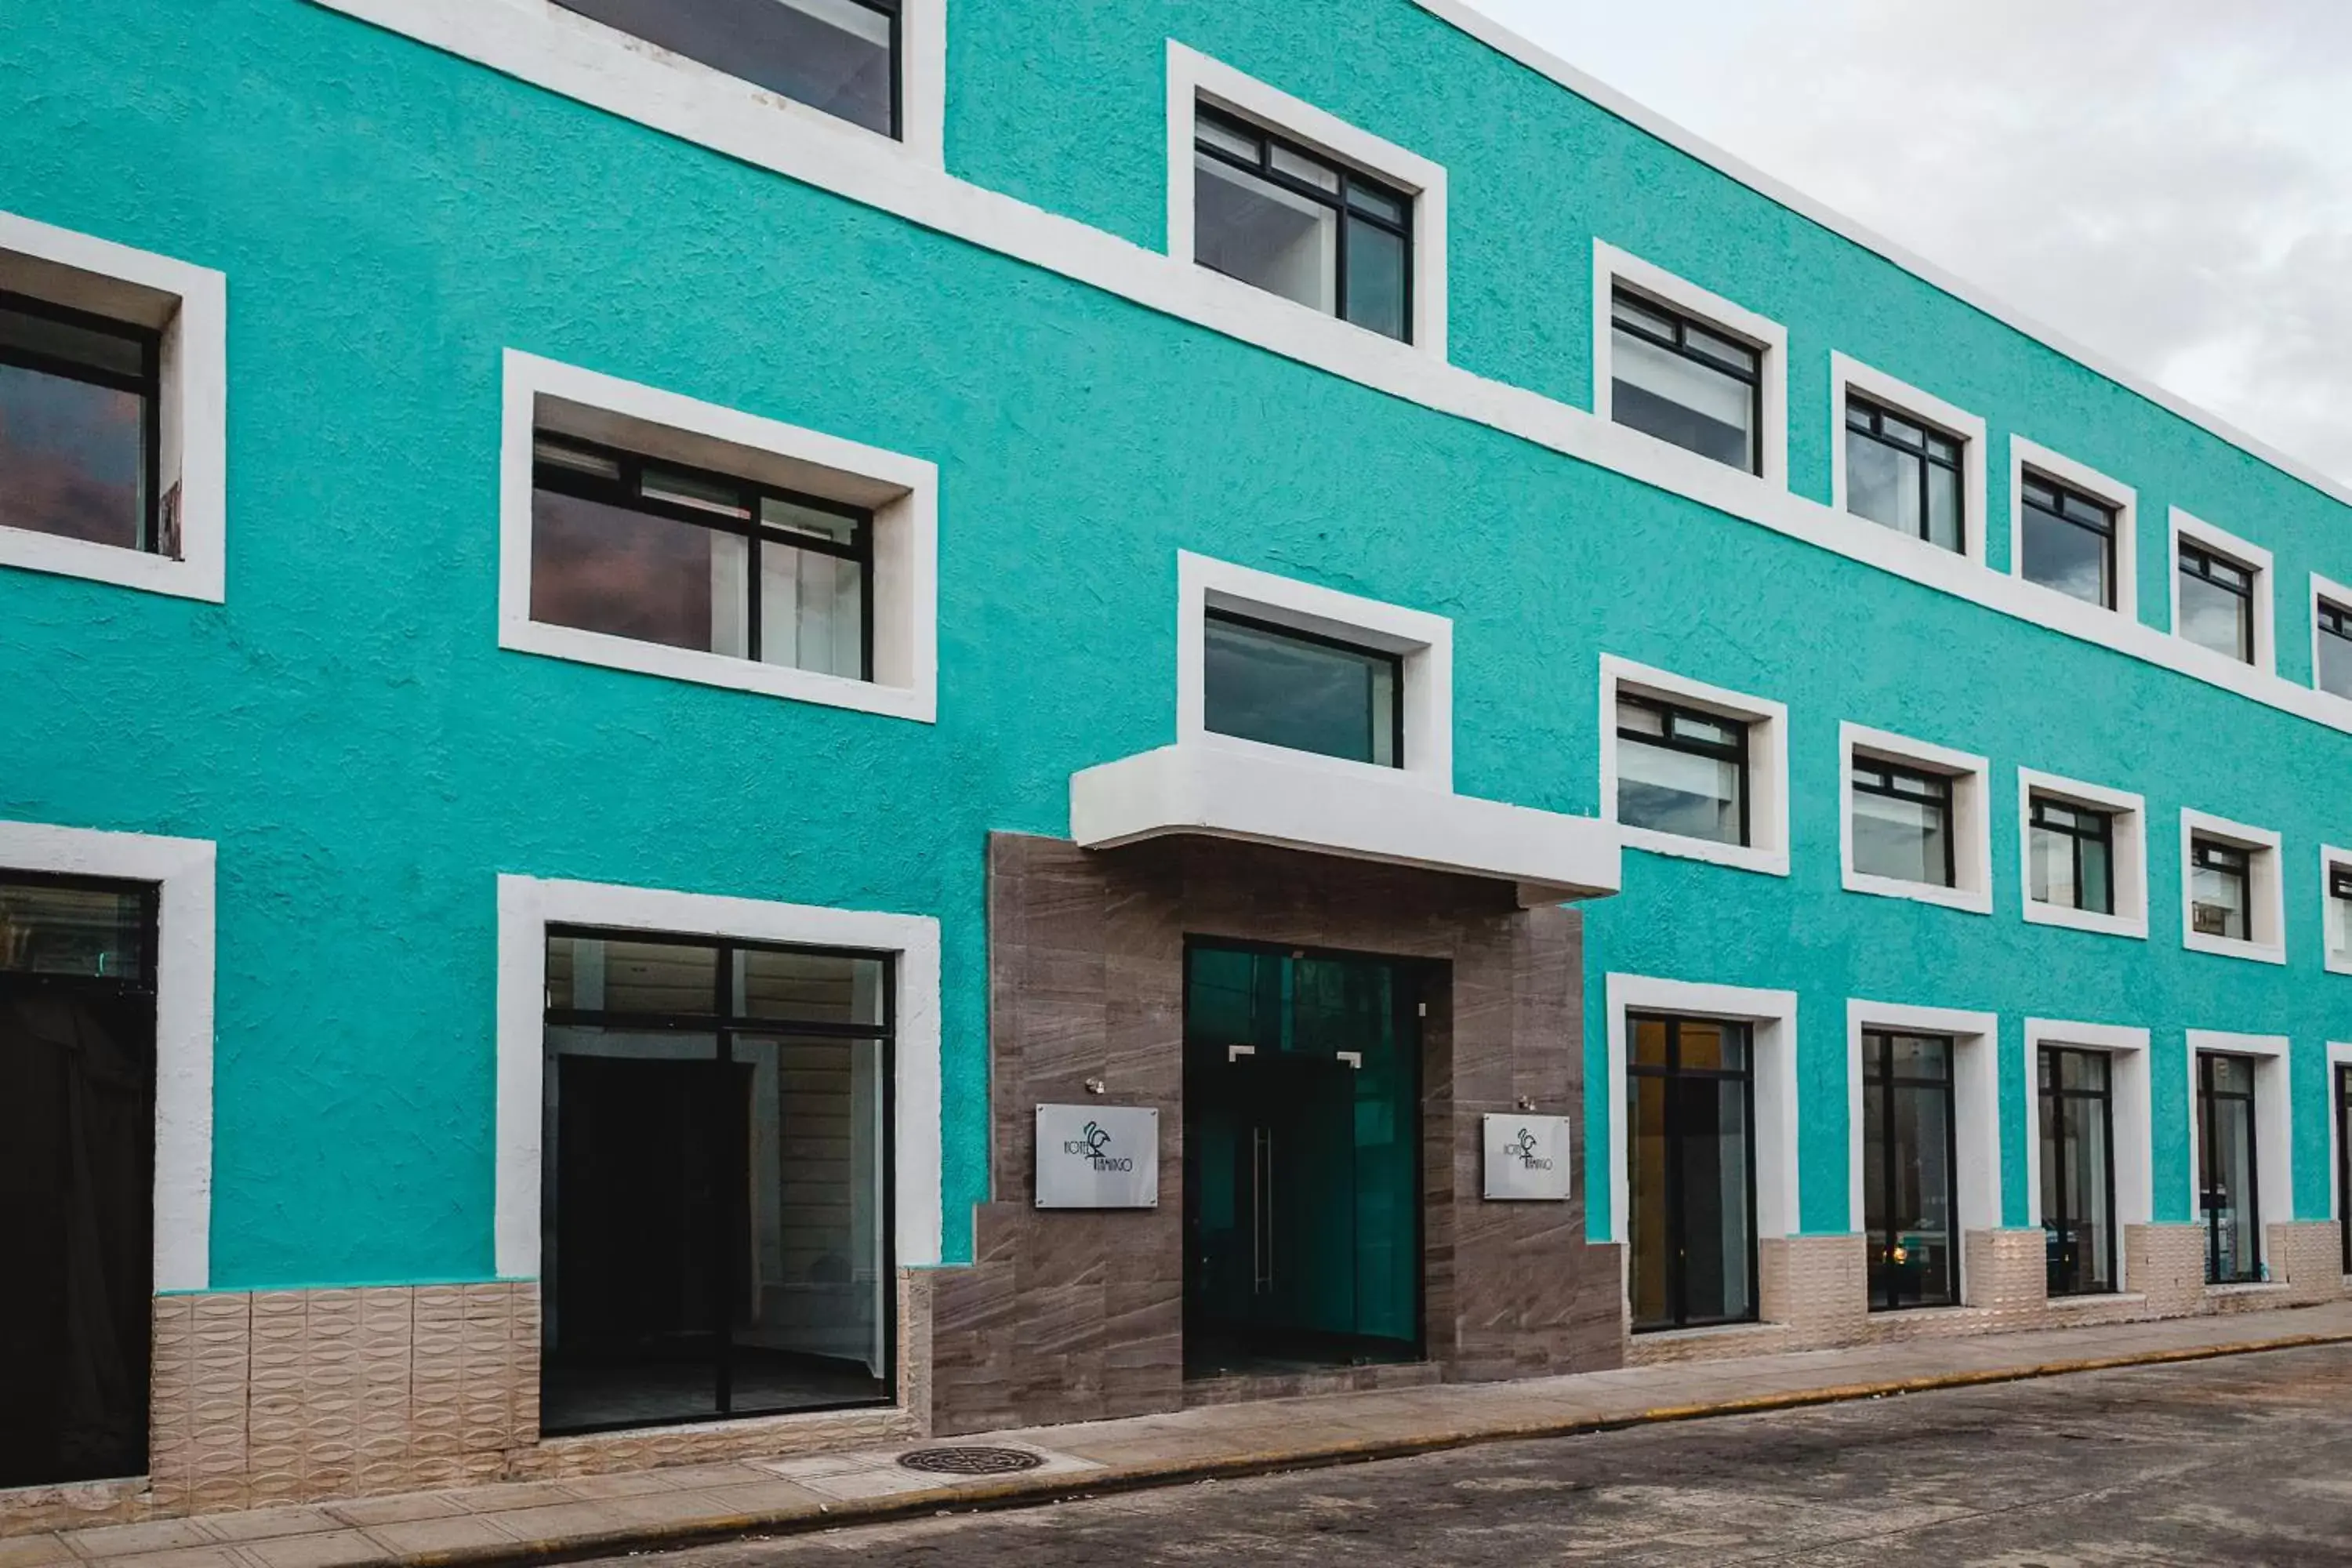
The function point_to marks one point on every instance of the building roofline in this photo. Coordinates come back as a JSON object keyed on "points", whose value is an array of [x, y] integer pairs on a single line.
{"points": [[1543, 62]]}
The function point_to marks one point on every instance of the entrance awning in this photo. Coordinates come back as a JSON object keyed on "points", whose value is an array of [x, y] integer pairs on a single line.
{"points": [[1362, 812]]}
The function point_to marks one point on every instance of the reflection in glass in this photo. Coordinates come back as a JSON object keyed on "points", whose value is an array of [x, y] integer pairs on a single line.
{"points": [[1908, 1194], [2069, 542], [1681, 772], [1672, 378], [2070, 855], [2335, 673], [2216, 603], [1691, 1221], [832, 54], [2077, 1131], [1901, 823], [1284, 687], [1903, 475], [2227, 1174], [77, 425], [2219, 883]]}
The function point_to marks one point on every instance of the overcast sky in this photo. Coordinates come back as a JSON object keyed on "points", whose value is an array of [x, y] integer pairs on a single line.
{"points": [[2167, 181]]}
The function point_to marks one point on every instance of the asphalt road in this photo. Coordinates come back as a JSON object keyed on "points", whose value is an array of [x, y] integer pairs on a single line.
{"points": [[2246, 1460]]}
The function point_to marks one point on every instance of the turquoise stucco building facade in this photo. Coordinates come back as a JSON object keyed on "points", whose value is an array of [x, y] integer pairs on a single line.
{"points": [[397, 201]]}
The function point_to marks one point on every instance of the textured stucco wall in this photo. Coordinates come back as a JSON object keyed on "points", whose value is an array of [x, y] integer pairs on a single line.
{"points": [[389, 219]]}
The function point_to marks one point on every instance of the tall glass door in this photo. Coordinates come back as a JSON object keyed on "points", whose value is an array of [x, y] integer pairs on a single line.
{"points": [[2344, 1161], [2078, 1172], [1691, 1105], [2227, 1173], [1908, 1155]]}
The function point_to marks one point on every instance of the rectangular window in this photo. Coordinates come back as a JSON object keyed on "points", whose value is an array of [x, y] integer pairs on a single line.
{"points": [[2339, 939], [2343, 1075], [1271, 683], [839, 56], [2073, 856], [1691, 1221], [79, 440], [1681, 770], [2221, 890], [1909, 1154], [716, 1159], [2335, 652], [2217, 603], [2078, 1170], [2069, 540], [1297, 224], [1903, 474], [636, 547], [2227, 1178], [1681, 379], [1902, 822]]}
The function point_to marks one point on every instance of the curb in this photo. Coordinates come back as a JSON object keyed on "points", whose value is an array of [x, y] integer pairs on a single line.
{"points": [[1032, 1492]]}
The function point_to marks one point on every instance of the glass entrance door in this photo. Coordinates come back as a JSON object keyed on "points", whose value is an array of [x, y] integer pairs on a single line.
{"points": [[2226, 1170], [76, 1178], [1302, 1161], [1908, 1154], [1691, 1101], [2344, 1161], [2078, 1170]]}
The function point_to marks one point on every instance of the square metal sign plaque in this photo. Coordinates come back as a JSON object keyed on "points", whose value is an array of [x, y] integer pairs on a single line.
{"points": [[1527, 1158], [1097, 1157]]}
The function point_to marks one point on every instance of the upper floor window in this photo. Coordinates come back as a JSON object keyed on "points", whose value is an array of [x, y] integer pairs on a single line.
{"points": [[1681, 770], [1295, 223], [1285, 686], [839, 56], [1903, 828], [1682, 380], [2068, 541], [2333, 656], [2221, 890], [2073, 856], [79, 426], [1903, 474], [2216, 604], [2338, 922], [656, 552]]}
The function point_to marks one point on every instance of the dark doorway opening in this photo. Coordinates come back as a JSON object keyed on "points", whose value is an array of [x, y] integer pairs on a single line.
{"points": [[1302, 1164], [1910, 1153], [1690, 1085], [2227, 1173], [2078, 1170]]}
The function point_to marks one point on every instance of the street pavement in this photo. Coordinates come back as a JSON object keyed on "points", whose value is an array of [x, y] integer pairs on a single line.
{"points": [[2244, 1460]]}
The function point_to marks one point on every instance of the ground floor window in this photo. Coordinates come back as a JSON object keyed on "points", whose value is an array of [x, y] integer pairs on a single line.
{"points": [[2226, 1169], [2078, 1170], [76, 1178], [2344, 1161], [1690, 1091], [1909, 1151], [715, 1223]]}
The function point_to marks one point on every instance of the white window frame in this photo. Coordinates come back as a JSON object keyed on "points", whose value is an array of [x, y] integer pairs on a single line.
{"points": [[2335, 921], [2127, 850], [2023, 455], [1424, 643], [2273, 1131], [2266, 903], [903, 492], [1766, 723], [2132, 1105], [1194, 79], [1970, 827], [190, 305], [182, 870], [1849, 375], [1611, 267], [529, 905], [1976, 1110], [2238, 551], [1772, 1017], [2337, 592]]}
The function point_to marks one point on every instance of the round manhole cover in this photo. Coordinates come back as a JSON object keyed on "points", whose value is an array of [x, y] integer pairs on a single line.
{"points": [[971, 1461]]}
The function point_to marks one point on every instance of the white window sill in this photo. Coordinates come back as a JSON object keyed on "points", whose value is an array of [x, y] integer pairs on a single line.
{"points": [[2089, 1299], [111, 563], [714, 669], [2223, 947], [2040, 914], [1739, 856], [2248, 1287], [1968, 900]]}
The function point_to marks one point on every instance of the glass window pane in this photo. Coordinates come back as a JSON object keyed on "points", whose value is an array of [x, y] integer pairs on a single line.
{"points": [[2051, 856], [1901, 429], [1209, 133], [2336, 664], [1902, 839], [1912, 1234], [1662, 394], [1633, 312], [1707, 732], [1376, 279], [832, 54], [58, 928], [1650, 1042], [73, 458], [1882, 483], [1734, 356], [716, 497], [1649, 1228], [1263, 684], [812, 611], [2213, 617], [631, 975], [809, 987], [1675, 792], [1303, 168], [2074, 561], [1639, 718], [109, 353], [1944, 509], [1713, 1048], [2098, 893], [1269, 237], [2217, 902], [1717, 1225], [1379, 204], [604, 568]]}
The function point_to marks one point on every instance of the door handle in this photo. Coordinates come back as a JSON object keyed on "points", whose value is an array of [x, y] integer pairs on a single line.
{"points": [[1353, 1059], [1235, 1053]]}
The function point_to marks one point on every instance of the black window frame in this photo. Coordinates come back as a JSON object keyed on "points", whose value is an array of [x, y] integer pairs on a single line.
{"points": [[1671, 714], [2339, 881], [2209, 1096], [626, 491], [2333, 620], [2052, 1059], [890, 9], [2076, 837], [1880, 1043], [147, 385], [2213, 855], [1349, 178], [2212, 567], [1874, 429], [723, 1024], [1395, 662], [2343, 1107], [1940, 795], [1677, 1295], [1678, 345], [2106, 531]]}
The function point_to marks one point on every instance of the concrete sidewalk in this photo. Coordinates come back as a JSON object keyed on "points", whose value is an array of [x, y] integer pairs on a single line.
{"points": [[601, 1515]]}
